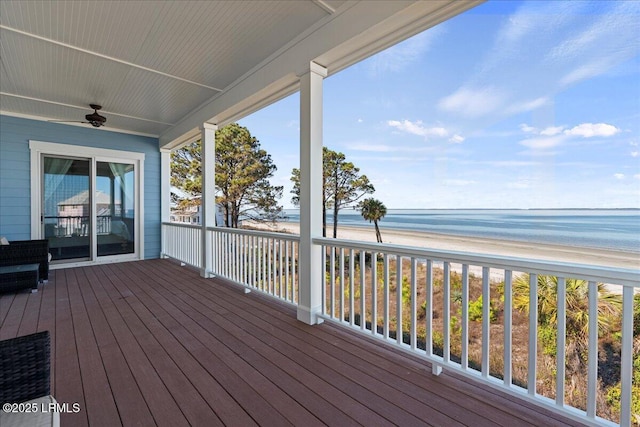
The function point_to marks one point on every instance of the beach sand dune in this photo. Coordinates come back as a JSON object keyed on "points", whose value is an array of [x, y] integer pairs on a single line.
{"points": [[485, 246]]}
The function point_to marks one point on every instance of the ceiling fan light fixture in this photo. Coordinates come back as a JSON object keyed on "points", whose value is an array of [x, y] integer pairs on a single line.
{"points": [[95, 119]]}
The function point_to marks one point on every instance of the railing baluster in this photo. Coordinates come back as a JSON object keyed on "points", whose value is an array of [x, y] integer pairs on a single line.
{"points": [[429, 310], [280, 261], [342, 309], [332, 280], [626, 357], [508, 334], [363, 289], [287, 270], [385, 320], [351, 287], [486, 319], [399, 299], [269, 264], [414, 297], [265, 257], [533, 334], [446, 313], [294, 288], [256, 261], [374, 293], [464, 342], [324, 309], [274, 267], [561, 334], [243, 260], [229, 255]]}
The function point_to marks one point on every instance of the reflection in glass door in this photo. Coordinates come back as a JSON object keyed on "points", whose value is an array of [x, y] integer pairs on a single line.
{"points": [[115, 208], [66, 216]]}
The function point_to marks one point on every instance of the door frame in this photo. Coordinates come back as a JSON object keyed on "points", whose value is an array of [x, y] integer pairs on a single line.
{"points": [[39, 149]]}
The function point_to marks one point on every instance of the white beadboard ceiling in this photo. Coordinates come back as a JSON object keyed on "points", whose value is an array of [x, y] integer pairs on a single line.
{"points": [[159, 67]]}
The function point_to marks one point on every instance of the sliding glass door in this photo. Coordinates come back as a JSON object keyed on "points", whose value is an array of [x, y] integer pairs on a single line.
{"points": [[89, 207], [115, 208], [67, 217]]}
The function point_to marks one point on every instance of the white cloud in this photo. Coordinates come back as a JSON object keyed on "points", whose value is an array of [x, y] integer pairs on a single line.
{"points": [[554, 136], [552, 130], [585, 71], [637, 176], [473, 102], [360, 120], [418, 128], [618, 175], [456, 139], [588, 130], [403, 54], [635, 153], [526, 128], [543, 143], [611, 38], [526, 106], [540, 49]]}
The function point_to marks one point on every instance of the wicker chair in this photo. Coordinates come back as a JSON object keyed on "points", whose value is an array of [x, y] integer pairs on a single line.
{"points": [[27, 252], [25, 377], [25, 367]]}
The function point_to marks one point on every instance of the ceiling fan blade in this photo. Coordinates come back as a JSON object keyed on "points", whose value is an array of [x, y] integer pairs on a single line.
{"points": [[94, 119]]}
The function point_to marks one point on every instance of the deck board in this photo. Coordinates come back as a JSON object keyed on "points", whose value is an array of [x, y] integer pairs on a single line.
{"points": [[152, 343], [132, 408]]}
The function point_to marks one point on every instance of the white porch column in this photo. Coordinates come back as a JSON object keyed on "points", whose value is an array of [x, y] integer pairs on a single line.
{"points": [[208, 201], [310, 268], [165, 194]]}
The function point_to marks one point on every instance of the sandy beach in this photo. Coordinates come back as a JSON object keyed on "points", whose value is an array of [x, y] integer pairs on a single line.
{"points": [[547, 252]]}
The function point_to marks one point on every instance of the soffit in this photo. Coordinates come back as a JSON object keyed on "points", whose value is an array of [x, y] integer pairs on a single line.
{"points": [[148, 61]]}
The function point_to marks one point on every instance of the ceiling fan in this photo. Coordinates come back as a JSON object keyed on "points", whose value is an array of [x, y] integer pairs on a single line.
{"points": [[94, 119]]}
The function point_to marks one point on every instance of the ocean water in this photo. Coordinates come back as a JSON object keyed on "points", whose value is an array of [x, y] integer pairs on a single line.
{"points": [[617, 229]]}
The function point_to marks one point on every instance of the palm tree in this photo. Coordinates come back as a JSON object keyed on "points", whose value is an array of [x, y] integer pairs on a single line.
{"points": [[373, 210], [577, 312]]}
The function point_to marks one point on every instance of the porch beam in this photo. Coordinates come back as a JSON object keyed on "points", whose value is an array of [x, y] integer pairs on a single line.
{"points": [[208, 201], [310, 268]]}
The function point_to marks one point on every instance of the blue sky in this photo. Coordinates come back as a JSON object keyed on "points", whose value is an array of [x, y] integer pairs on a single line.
{"points": [[509, 105]]}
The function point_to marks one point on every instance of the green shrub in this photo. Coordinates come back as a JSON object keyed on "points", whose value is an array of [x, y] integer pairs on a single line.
{"points": [[547, 339], [406, 291], [613, 394], [475, 310]]}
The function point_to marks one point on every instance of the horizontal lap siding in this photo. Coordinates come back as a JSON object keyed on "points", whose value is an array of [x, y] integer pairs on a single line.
{"points": [[15, 199]]}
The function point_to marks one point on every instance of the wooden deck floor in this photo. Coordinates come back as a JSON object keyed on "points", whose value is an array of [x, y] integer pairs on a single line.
{"points": [[151, 343]]}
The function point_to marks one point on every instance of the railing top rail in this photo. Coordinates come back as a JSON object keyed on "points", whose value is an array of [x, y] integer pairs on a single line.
{"points": [[617, 275], [181, 224], [269, 234]]}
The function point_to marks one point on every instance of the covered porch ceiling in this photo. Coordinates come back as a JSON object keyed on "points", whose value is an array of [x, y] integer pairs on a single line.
{"points": [[163, 68]]}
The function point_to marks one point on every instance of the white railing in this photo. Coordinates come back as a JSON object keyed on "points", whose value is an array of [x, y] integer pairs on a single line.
{"points": [[182, 242], [433, 303], [264, 261]]}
